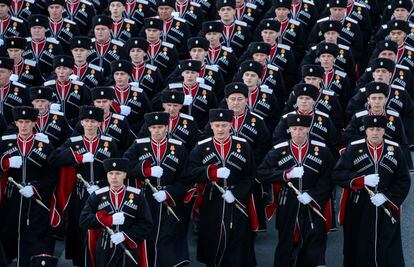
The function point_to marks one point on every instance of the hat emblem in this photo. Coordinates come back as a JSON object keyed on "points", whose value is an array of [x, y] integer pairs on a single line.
{"points": [[90, 112], [119, 65], [99, 19], [375, 119], [43, 263], [330, 25], [39, 91], [0, 61], [24, 112], [396, 24], [173, 97], [258, 48], [136, 41], [196, 42], [236, 87], [221, 114], [377, 87], [102, 92], [268, 24], [381, 63], [298, 119], [310, 70], [189, 64], [61, 60], [251, 64], [37, 20], [79, 41], [210, 27], [12, 42], [114, 164], [386, 44], [304, 89], [156, 117], [151, 22], [337, 1], [326, 47]]}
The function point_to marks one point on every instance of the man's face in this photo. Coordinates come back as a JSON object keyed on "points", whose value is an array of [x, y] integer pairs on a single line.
{"points": [[80, 54], [121, 78], [305, 103], [55, 11], [104, 104], [198, 53], [41, 104], [236, 102], [337, 13], [137, 55], [260, 57], [250, 78], [25, 127], [90, 126], [15, 53], [102, 33], [377, 102], [388, 54], [4, 76], [398, 36], [172, 108], [190, 77], [382, 75], [298, 134], [153, 35], [158, 132], [226, 13], [116, 9], [331, 37], [213, 38], [327, 60], [401, 13], [63, 73], [4, 10], [375, 135], [165, 12], [269, 36], [37, 32], [116, 178], [282, 13], [221, 129], [315, 81]]}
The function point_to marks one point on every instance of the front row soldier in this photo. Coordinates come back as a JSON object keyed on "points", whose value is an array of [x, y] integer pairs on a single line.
{"points": [[25, 230], [160, 162], [225, 236], [378, 165], [305, 164], [125, 211]]}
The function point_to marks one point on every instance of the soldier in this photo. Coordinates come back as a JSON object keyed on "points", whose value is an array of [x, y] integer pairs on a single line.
{"points": [[208, 7], [192, 13], [124, 210], [160, 162], [122, 29], [306, 165], [39, 48], [82, 154], [44, 260], [147, 76], [375, 177], [81, 12], [398, 31], [90, 74], [68, 95], [62, 29], [11, 26], [25, 230], [226, 161], [398, 9], [247, 12], [137, 10], [22, 9], [104, 49], [27, 71]]}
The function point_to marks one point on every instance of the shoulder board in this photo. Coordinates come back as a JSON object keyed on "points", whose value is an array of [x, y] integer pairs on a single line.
{"points": [[142, 2], [205, 140], [74, 77], [42, 138], [327, 92], [30, 1], [361, 113], [175, 141], [117, 42], [129, 21], [239, 138], [322, 20], [317, 143], [362, 90], [143, 140], [391, 143], [86, 2], [360, 141], [52, 40], [175, 85], [76, 138], [180, 19], [167, 44], [134, 84], [266, 89], [389, 6], [314, 47], [205, 86], [136, 89], [51, 82], [77, 82], [69, 21], [359, 4], [272, 67], [151, 67], [133, 190], [286, 143], [368, 69], [343, 47], [251, 5], [95, 67], [241, 23], [212, 67], [195, 4], [351, 20], [106, 138], [411, 25], [185, 116], [393, 113], [293, 21], [93, 39], [14, 78], [285, 115], [385, 26], [308, 2], [30, 62], [340, 73], [321, 113], [102, 190], [28, 39], [55, 112], [9, 137], [408, 48], [402, 67], [283, 46], [398, 87], [16, 19], [228, 49], [200, 80], [118, 116], [257, 115], [19, 84]]}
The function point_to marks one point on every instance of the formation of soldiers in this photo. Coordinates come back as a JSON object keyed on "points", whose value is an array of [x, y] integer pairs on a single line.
{"points": [[125, 123]]}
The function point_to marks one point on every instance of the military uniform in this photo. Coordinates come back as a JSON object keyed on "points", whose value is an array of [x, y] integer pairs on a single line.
{"points": [[63, 31], [81, 12], [176, 31], [148, 77], [22, 9], [192, 13], [248, 13], [13, 94], [28, 73], [137, 10], [282, 57], [224, 58], [12, 26], [124, 29], [90, 74], [163, 55], [103, 54], [237, 35]]}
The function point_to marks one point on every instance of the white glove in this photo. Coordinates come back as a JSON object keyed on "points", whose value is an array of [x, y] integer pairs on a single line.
{"points": [[125, 110], [228, 196], [117, 238], [15, 162], [378, 199], [27, 191], [92, 189], [160, 196], [188, 99], [156, 171], [296, 172], [118, 218], [304, 198], [371, 180], [223, 172], [87, 157], [55, 107]]}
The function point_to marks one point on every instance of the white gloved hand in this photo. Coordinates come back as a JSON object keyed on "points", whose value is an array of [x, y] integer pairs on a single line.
{"points": [[223, 172], [304, 198], [156, 171], [27, 191], [118, 218], [371, 179], [117, 238], [378, 199], [87, 157], [92, 189], [228, 196], [125, 110], [15, 162], [188, 100], [160, 196], [55, 107], [296, 172]]}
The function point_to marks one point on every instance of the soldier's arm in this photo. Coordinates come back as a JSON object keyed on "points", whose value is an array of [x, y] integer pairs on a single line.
{"points": [[142, 227], [268, 172]]}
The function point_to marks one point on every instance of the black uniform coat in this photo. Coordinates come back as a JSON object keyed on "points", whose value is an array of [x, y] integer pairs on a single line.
{"points": [[113, 51], [225, 59], [82, 15], [163, 55], [15, 94], [28, 73], [138, 11], [148, 77], [239, 37], [64, 33], [90, 74]]}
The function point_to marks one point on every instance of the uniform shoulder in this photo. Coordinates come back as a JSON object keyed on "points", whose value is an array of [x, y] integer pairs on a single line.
{"points": [[102, 190], [175, 141], [391, 143], [143, 140], [317, 143], [205, 141], [283, 144], [185, 116], [360, 141], [76, 138], [239, 139], [9, 137], [133, 190]]}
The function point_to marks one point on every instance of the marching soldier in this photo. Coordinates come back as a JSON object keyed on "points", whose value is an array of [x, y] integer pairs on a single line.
{"points": [[25, 229], [247, 12], [124, 210], [82, 154], [137, 10], [22, 9], [122, 29], [224, 161], [81, 12], [11, 25], [161, 162], [306, 165], [375, 178], [192, 13]]}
